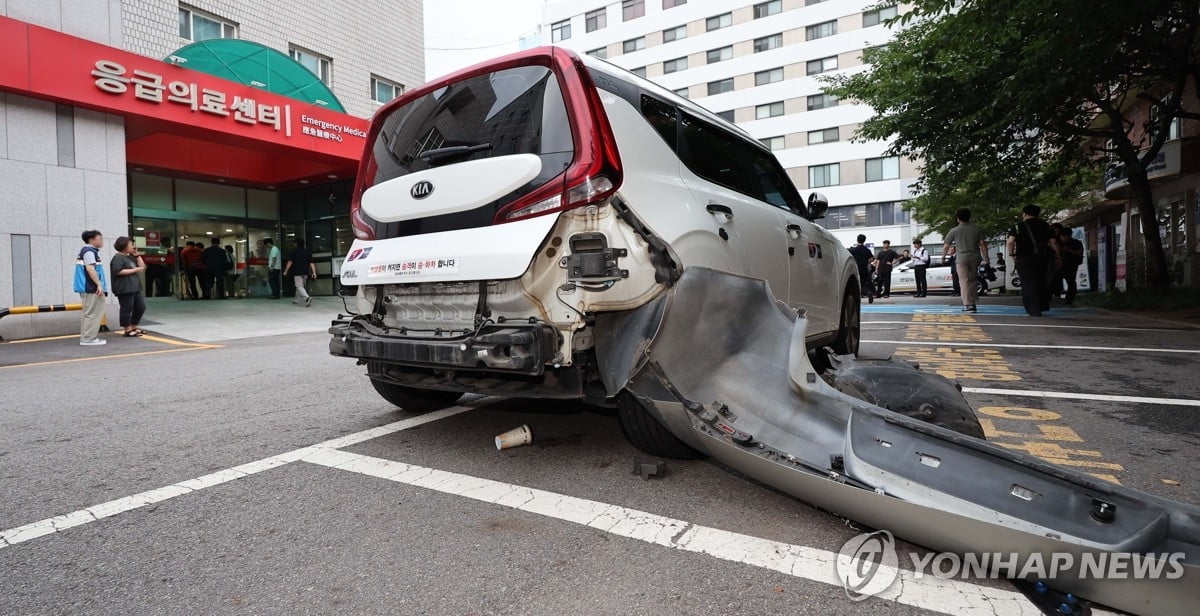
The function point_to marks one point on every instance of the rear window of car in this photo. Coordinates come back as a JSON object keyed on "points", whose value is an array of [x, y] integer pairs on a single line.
{"points": [[516, 111]]}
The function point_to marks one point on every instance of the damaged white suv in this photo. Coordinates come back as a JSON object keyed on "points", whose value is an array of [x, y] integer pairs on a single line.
{"points": [[500, 212]]}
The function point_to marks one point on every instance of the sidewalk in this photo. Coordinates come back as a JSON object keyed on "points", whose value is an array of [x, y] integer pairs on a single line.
{"points": [[235, 319]]}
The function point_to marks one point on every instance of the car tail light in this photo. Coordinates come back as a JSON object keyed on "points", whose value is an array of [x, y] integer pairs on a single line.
{"points": [[363, 229], [595, 172]]}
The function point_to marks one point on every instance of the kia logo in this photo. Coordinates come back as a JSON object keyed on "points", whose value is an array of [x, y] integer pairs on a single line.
{"points": [[421, 189]]}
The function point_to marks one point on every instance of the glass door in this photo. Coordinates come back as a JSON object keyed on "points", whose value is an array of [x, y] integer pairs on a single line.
{"points": [[155, 239]]}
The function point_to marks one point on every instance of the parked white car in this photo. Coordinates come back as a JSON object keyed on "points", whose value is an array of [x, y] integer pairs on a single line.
{"points": [[500, 210], [939, 277]]}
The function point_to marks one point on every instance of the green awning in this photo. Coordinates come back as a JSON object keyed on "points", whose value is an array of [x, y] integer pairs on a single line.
{"points": [[256, 65]]}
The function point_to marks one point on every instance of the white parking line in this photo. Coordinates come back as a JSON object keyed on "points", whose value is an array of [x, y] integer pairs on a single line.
{"points": [[55, 524], [1069, 347], [989, 324], [1029, 393], [928, 592]]}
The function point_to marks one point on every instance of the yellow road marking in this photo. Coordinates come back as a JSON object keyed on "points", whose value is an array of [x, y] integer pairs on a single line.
{"points": [[177, 342], [117, 356], [43, 339]]}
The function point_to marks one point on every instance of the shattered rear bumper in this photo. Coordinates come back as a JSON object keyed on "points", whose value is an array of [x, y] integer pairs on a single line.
{"points": [[725, 367]]}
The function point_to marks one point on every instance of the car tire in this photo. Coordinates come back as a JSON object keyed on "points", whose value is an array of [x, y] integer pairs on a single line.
{"points": [[413, 400], [850, 323], [647, 434]]}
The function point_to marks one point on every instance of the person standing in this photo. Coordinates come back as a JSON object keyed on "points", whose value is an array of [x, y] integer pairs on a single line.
{"points": [[302, 268], [216, 262], [919, 264], [1035, 251], [126, 264], [887, 258], [1071, 251], [862, 257], [970, 249], [274, 279], [91, 286], [231, 273], [951, 258], [192, 259]]}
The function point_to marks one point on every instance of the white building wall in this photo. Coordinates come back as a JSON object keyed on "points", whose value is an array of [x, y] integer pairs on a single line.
{"points": [[62, 170], [384, 38], [796, 86]]}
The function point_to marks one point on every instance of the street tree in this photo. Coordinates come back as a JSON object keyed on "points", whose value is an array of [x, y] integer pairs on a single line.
{"points": [[1010, 102]]}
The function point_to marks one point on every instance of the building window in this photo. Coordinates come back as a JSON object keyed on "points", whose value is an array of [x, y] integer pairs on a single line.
{"points": [[762, 78], [674, 34], [633, 45], [726, 115], [674, 66], [820, 176], [594, 20], [767, 43], [879, 169], [383, 90], [720, 55], [719, 21], [639, 71], [821, 30], [315, 62], [878, 16], [763, 9], [632, 9], [825, 135], [823, 65], [821, 101], [681, 92], [770, 110], [812, 2], [599, 52], [670, 4], [773, 143], [720, 87], [197, 26], [560, 31]]}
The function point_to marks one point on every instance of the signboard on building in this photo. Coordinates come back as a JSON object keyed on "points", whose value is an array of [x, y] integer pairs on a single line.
{"points": [[51, 65]]}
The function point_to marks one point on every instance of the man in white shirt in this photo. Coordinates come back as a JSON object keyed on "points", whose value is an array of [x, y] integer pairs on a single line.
{"points": [[274, 267], [920, 263]]}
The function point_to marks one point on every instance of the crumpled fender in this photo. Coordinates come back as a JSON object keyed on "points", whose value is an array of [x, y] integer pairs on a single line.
{"points": [[725, 368]]}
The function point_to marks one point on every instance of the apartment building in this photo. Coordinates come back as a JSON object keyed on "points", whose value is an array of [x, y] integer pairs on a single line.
{"points": [[170, 121], [759, 64]]}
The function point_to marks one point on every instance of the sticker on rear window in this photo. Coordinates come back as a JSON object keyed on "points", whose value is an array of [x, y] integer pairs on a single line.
{"points": [[418, 267]]}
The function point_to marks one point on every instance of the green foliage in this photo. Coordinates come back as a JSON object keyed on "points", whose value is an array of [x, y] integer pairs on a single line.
{"points": [[999, 99]]}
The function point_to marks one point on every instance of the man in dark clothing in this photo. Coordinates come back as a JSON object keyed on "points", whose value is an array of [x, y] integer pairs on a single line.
{"points": [[301, 267], [215, 264], [887, 258], [1035, 251], [862, 257], [950, 257], [1071, 250]]}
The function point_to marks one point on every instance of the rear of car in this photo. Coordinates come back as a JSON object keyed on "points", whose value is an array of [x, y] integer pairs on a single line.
{"points": [[490, 230]]}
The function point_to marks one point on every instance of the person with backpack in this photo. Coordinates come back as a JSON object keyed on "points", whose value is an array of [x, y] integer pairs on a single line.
{"points": [[920, 263], [1035, 250], [1071, 250], [92, 287], [216, 262], [127, 286]]}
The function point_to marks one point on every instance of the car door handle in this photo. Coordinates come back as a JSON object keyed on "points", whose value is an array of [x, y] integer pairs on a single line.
{"points": [[795, 230], [717, 208]]}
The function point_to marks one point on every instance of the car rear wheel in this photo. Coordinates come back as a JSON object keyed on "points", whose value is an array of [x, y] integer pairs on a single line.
{"points": [[646, 433], [415, 400], [849, 325]]}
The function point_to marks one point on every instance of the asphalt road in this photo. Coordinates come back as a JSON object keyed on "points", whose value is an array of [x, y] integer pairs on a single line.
{"points": [[132, 450]]}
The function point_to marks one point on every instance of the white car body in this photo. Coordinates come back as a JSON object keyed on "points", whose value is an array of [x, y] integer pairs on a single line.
{"points": [[938, 277], [434, 281]]}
